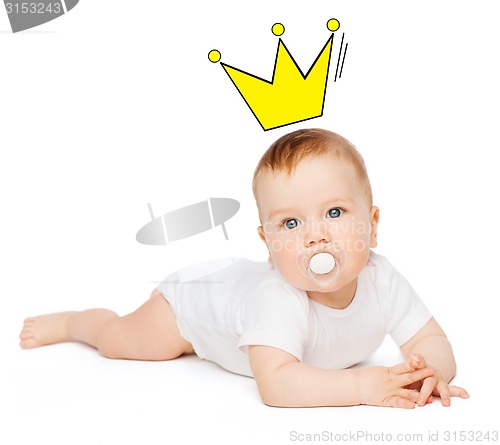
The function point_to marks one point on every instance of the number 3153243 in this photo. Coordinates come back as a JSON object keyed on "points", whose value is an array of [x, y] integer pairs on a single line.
{"points": [[33, 8]]}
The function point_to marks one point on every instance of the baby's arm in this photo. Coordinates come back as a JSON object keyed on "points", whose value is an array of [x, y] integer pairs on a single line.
{"points": [[284, 381], [433, 345]]}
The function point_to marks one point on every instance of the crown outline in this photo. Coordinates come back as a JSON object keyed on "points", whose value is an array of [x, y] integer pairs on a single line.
{"points": [[290, 96]]}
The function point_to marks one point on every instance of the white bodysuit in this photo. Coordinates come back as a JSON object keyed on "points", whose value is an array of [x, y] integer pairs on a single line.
{"points": [[224, 306]]}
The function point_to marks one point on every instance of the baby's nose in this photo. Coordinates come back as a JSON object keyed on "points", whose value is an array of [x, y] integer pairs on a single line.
{"points": [[317, 241], [317, 234]]}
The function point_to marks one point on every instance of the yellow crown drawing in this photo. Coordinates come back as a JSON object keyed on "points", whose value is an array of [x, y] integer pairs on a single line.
{"points": [[290, 96]]}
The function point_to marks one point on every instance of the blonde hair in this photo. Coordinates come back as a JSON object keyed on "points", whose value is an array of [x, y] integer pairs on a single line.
{"points": [[289, 150]]}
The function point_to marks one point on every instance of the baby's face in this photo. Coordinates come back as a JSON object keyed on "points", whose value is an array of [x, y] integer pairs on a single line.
{"points": [[320, 207]]}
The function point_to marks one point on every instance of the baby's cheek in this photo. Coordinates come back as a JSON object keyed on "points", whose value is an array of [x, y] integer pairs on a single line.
{"points": [[287, 269], [359, 260], [288, 266]]}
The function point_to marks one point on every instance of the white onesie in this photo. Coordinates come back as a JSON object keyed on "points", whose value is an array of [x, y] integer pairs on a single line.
{"points": [[224, 306]]}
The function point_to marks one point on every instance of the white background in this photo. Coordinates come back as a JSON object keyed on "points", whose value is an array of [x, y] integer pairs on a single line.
{"points": [[115, 105]]}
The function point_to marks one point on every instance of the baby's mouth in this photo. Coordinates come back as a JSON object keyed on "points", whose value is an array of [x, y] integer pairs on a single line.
{"points": [[322, 263], [321, 266]]}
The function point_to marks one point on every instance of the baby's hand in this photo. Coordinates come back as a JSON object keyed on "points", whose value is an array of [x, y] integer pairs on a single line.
{"points": [[384, 386], [434, 385]]}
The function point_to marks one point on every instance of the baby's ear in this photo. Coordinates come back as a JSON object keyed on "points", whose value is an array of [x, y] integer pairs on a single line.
{"points": [[262, 236], [374, 218], [260, 231]]}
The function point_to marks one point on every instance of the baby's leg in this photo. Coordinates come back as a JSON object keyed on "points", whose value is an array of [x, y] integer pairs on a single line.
{"points": [[149, 333]]}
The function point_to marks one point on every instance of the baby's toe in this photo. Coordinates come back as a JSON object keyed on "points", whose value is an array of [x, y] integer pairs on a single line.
{"points": [[27, 332], [29, 343], [44, 330], [27, 335]]}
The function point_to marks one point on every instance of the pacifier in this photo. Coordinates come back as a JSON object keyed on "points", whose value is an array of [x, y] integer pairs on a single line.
{"points": [[321, 265]]}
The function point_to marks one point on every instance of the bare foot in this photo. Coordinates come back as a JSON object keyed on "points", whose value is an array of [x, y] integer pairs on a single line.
{"points": [[44, 330]]}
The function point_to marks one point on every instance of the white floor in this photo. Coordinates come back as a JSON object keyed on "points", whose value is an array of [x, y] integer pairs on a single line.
{"points": [[67, 393]]}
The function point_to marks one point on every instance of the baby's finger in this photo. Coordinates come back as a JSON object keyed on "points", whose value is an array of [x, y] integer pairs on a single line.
{"points": [[420, 360], [408, 394], [426, 391], [415, 376], [410, 365], [402, 368], [401, 402], [444, 392], [456, 391]]}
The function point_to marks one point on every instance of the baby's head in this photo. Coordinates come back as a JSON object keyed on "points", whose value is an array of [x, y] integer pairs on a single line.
{"points": [[313, 195]]}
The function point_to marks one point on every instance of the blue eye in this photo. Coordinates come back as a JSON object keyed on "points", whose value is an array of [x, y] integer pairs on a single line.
{"points": [[291, 223], [335, 212]]}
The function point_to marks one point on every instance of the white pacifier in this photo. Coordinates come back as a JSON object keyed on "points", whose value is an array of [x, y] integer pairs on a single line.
{"points": [[321, 265]]}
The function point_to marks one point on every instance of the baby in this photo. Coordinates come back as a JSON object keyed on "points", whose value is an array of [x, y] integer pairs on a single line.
{"points": [[322, 303]]}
